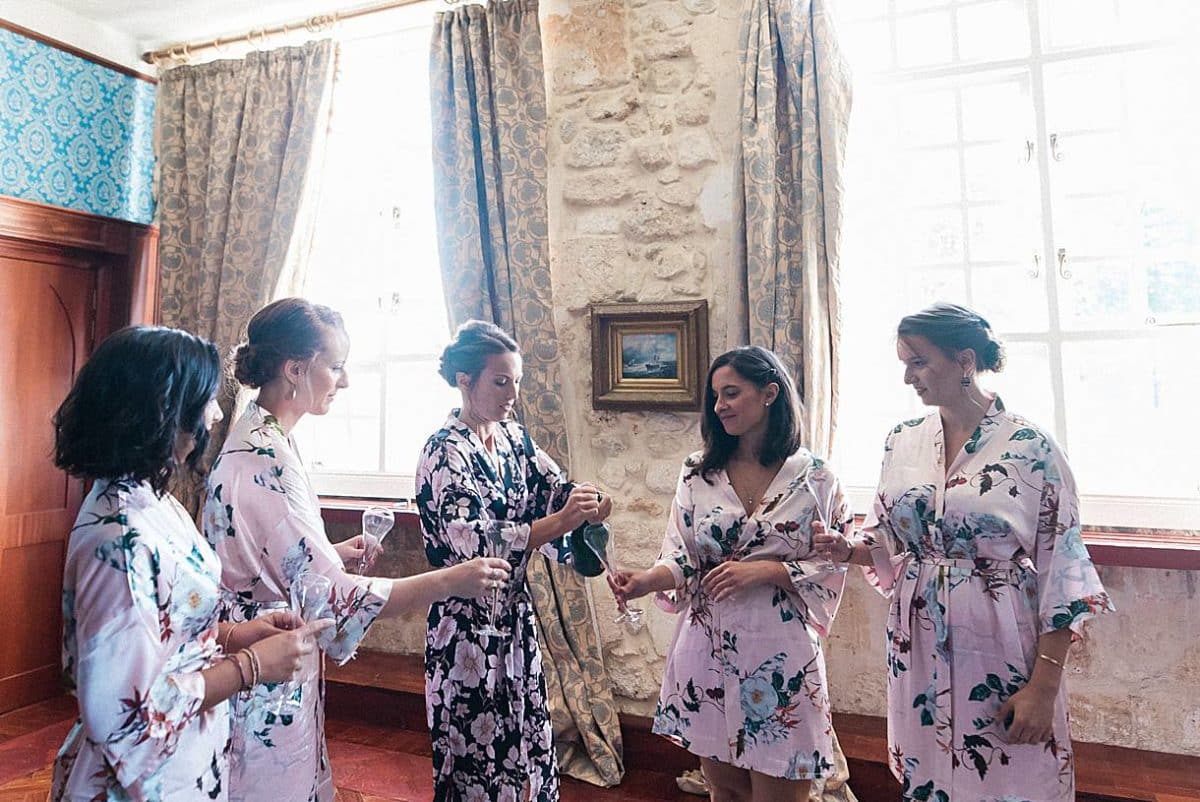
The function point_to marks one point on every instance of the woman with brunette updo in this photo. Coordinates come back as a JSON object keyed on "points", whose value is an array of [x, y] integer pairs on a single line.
{"points": [[264, 519], [486, 694], [974, 536]]}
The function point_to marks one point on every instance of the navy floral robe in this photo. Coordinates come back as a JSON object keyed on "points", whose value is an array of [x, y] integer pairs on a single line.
{"points": [[486, 697]]}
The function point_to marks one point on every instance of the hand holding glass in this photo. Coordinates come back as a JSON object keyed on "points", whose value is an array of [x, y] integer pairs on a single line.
{"points": [[376, 523], [309, 601], [598, 538], [497, 542], [823, 505]]}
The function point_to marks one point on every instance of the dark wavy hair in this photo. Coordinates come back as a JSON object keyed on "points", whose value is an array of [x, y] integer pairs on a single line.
{"points": [[953, 328], [143, 386], [474, 341], [290, 328], [760, 367]]}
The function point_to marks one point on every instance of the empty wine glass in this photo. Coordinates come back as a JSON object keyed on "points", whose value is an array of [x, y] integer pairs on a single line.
{"points": [[598, 538], [824, 512], [310, 601], [497, 542], [376, 523]]}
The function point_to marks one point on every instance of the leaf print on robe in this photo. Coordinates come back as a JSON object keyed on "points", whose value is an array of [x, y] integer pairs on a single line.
{"points": [[264, 519], [140, 603], [979, 558], [729, 693]]}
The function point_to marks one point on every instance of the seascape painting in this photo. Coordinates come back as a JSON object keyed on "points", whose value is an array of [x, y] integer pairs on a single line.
{"points": [[650, 356]]}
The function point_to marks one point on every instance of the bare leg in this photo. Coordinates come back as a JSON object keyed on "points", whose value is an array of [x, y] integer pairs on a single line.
{"points": [[726, 783], [777, 789]]}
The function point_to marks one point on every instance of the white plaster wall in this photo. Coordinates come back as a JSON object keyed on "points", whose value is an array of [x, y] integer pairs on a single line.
{"points": [[66, 26]]}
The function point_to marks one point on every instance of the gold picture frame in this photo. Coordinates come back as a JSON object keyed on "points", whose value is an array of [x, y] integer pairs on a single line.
{"points": [[649, 356]]}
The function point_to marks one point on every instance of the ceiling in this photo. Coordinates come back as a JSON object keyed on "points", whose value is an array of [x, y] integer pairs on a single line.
{"points": [[154, 23]]}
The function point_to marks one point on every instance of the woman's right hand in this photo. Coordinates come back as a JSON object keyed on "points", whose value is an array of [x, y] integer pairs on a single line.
{"points": [[478, 576], [281, 656], [833, 546], [627, 585], [583, 504]]}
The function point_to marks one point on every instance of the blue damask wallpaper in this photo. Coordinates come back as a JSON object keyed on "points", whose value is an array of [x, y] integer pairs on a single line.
{"points": [[74, 133]]}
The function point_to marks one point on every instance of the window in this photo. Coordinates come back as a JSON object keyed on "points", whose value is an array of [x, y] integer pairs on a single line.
{"points": [[374, 259], [1035, 160]]}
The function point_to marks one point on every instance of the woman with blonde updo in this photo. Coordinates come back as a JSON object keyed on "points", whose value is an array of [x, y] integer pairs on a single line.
{"points": [[264, 520]]}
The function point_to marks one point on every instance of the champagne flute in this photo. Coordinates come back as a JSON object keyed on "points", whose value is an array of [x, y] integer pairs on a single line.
{"points": [[376, 523], [309, 600], [823, 510], [497, 542], [598, 538]]}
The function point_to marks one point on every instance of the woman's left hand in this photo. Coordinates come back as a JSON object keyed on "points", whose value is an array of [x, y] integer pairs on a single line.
{"points": [[1032, 711], [246, 633], [732, 577], [351, 551]]}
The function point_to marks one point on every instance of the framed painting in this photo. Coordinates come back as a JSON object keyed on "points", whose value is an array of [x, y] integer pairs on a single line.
{"points": [[651, 356]]}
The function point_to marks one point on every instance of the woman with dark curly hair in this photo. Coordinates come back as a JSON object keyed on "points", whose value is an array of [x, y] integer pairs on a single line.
{"points": [[744, 687], [264, 519], [974, 536], [142, 649]]}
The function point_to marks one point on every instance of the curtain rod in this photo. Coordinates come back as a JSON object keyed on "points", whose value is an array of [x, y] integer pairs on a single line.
{"points": [[316, 24]]}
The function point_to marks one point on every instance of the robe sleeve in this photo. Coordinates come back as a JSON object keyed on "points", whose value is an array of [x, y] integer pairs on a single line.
{"points": [[549, 488], [819, 585], [889, 553], [132, 705], [675, 554], [1069, 588], [283, 525]]}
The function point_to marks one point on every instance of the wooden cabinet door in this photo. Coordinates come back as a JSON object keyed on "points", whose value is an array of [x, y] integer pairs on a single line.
{"points": [[47, 299]]}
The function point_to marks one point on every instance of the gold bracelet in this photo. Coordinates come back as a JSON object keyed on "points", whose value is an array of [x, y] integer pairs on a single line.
{"points": [[255, 668], [241, 672], [1050, 659], [229, 635]]}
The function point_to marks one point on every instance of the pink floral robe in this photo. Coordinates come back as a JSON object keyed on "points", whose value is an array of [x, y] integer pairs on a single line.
{"points": [[978, 562], [745, 678], [264, 520], [140, 606]]}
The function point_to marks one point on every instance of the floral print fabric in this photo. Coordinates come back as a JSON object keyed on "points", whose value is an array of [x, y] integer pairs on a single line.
{"points": [[979, 561], [140, 607], [264, 520], [486, 696], [745, 682]]}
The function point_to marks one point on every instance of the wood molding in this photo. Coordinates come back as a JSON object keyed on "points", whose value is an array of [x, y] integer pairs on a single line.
{"points": [[29, 221], [28, 33]]}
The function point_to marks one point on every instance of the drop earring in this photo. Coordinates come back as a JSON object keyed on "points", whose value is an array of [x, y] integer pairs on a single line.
{"points": [[292, 393], [966, 382]]}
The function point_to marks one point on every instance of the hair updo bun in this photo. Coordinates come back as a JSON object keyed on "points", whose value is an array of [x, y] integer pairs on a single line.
{"points": [[290, 328], [474, 341], [954, 328]]}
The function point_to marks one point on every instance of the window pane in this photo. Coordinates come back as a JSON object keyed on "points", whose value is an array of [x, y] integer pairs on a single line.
{"points": [[923, 40], [1025, 384], [991, 31], [1131, 414], [419, 401]]}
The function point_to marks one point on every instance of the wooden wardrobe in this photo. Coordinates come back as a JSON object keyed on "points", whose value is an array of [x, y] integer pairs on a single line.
{"points": [[67, 279]]}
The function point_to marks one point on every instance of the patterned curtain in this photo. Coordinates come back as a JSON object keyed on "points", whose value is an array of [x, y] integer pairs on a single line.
{"points": [[235, 140], [489, 133], [795, 113]]}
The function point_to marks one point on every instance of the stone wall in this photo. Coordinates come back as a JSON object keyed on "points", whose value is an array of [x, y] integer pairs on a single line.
{"points": [[642, 103]]}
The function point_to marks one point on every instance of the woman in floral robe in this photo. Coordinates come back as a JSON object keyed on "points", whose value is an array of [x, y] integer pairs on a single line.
{"points": [[744, 686], [264, 519], [486, 695], [974, 535], [141, 642]]}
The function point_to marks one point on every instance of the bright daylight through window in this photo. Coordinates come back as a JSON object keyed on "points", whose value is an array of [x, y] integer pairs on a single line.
{"points": [[1035, 160], [374, 259]]}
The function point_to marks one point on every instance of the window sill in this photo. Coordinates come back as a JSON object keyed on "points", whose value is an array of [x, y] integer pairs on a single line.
{"points": [[345, 511], [1145, 549]]}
